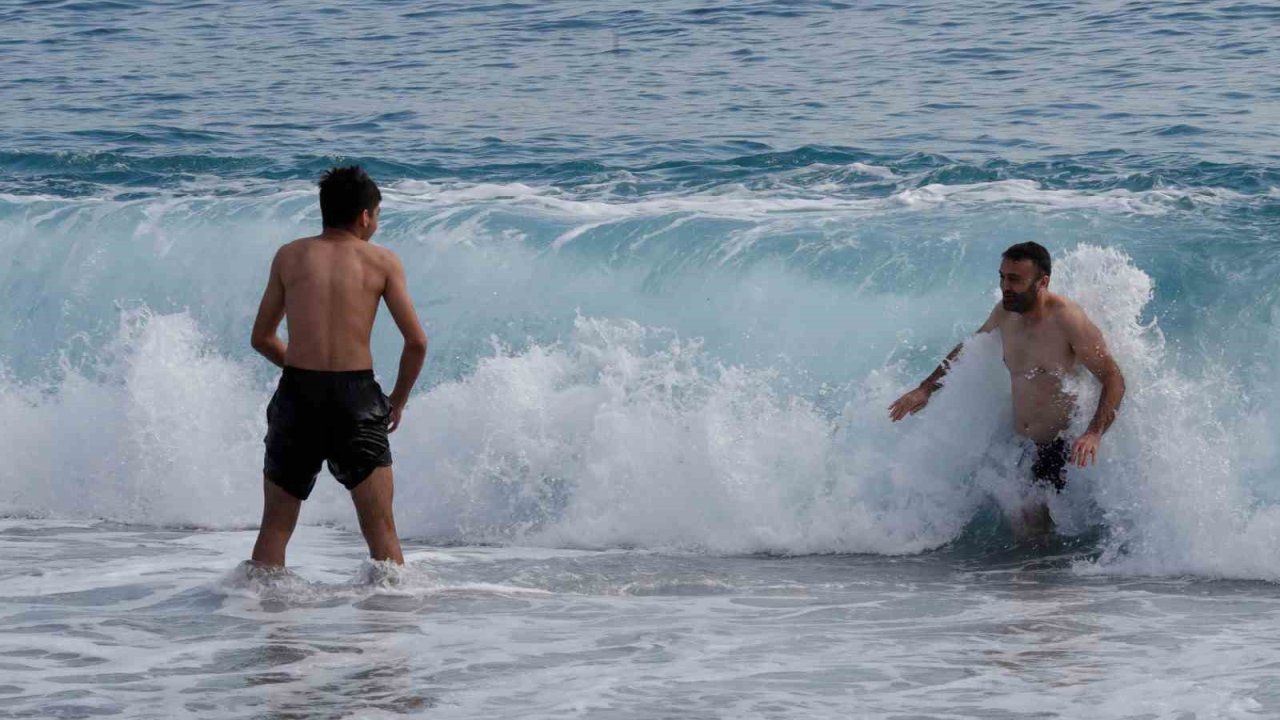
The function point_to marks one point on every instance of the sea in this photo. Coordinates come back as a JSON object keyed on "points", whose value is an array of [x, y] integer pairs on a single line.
{"points": [[675, 260]]}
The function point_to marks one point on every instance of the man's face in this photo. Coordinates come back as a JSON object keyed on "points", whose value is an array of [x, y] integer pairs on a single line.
{"points": [[1020, 284]]}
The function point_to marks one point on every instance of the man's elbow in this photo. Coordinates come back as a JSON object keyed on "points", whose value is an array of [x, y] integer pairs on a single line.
{"points": [[259, 342], [416, 343]]}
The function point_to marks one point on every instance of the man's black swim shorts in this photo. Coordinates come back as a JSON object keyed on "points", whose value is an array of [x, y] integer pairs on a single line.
{"points": [[1050, 466], [315, 416]]}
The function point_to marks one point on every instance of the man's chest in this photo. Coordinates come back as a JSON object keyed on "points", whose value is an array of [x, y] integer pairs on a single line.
{"points": [[1035, 348]]}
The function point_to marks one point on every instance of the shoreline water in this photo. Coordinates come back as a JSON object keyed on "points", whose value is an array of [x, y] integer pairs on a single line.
{"points": [[113, 621]]}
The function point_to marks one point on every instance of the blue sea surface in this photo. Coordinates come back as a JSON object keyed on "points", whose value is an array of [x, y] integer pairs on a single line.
{"points": [[675, 261], [236, 89]]}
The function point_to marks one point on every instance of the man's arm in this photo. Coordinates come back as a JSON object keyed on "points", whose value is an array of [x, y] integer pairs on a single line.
{"points": [[914, 401], [270, 313], [414, 353], [1089, 345]]}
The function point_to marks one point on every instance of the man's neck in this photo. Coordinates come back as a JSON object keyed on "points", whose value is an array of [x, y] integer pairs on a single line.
{"points": [[339, 235], [1039, 311]]}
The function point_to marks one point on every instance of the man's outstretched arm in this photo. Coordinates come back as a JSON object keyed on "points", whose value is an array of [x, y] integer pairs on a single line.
{"points": [[914, 401], [270, 312], [1089, 345], [414, 353]]}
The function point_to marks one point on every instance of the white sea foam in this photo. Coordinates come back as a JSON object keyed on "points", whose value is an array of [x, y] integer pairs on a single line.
{"points": [[1170, 481], [162, 431], [736, 200]]}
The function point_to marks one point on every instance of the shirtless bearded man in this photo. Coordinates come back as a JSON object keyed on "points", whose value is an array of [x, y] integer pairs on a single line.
{"points": [[328, 407], [1044, 335]]}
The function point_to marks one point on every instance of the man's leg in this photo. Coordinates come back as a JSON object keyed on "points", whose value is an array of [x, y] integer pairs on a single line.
{"points": [[1035, 523], [279, 516], [373, 507]]}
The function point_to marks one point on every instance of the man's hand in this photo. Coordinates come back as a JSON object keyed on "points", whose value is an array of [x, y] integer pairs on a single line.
{"points": [[393, 421], [909, 404], [1086, 449]]}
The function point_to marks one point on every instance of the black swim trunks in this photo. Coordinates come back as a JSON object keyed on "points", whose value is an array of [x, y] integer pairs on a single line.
{"points": [[1050, 466], [315, 416]]}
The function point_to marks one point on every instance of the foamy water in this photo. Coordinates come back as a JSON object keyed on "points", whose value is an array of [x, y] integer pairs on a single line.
{"points": [[104, 620]]}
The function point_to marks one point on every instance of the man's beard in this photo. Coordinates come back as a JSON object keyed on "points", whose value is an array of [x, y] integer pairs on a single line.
{"points": [[1020, 302]]}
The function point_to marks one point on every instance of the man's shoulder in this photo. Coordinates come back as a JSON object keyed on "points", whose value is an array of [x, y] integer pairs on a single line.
{"points": [[385, 257], [1068, 311], [288, 255], [996, 318], [382, 251], [293, 247]]}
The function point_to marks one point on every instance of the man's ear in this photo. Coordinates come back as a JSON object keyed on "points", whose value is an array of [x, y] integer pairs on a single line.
{"points": [[1044, 282]]}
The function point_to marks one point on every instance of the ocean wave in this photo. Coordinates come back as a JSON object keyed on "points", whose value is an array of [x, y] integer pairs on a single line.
{"points": [[813, 171], [626, 435]]}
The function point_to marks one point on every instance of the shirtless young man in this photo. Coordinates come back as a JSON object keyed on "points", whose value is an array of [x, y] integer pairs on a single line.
{"points": [[1043, 335], [328, 407]]}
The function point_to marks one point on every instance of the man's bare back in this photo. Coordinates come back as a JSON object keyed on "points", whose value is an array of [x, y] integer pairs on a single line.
{"points": [[329, 407], [332, 287], [328, 288]]}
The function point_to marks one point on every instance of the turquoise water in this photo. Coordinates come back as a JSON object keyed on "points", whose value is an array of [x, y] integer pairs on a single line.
{"points": [[674, 261]]}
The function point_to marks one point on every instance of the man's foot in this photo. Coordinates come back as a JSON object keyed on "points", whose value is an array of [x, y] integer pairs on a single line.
{"points": [[256, 576], [381, 573]]}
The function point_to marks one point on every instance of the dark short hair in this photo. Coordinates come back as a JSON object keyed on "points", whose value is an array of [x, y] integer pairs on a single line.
{"points": [[344, 192], [1032, 251]]}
